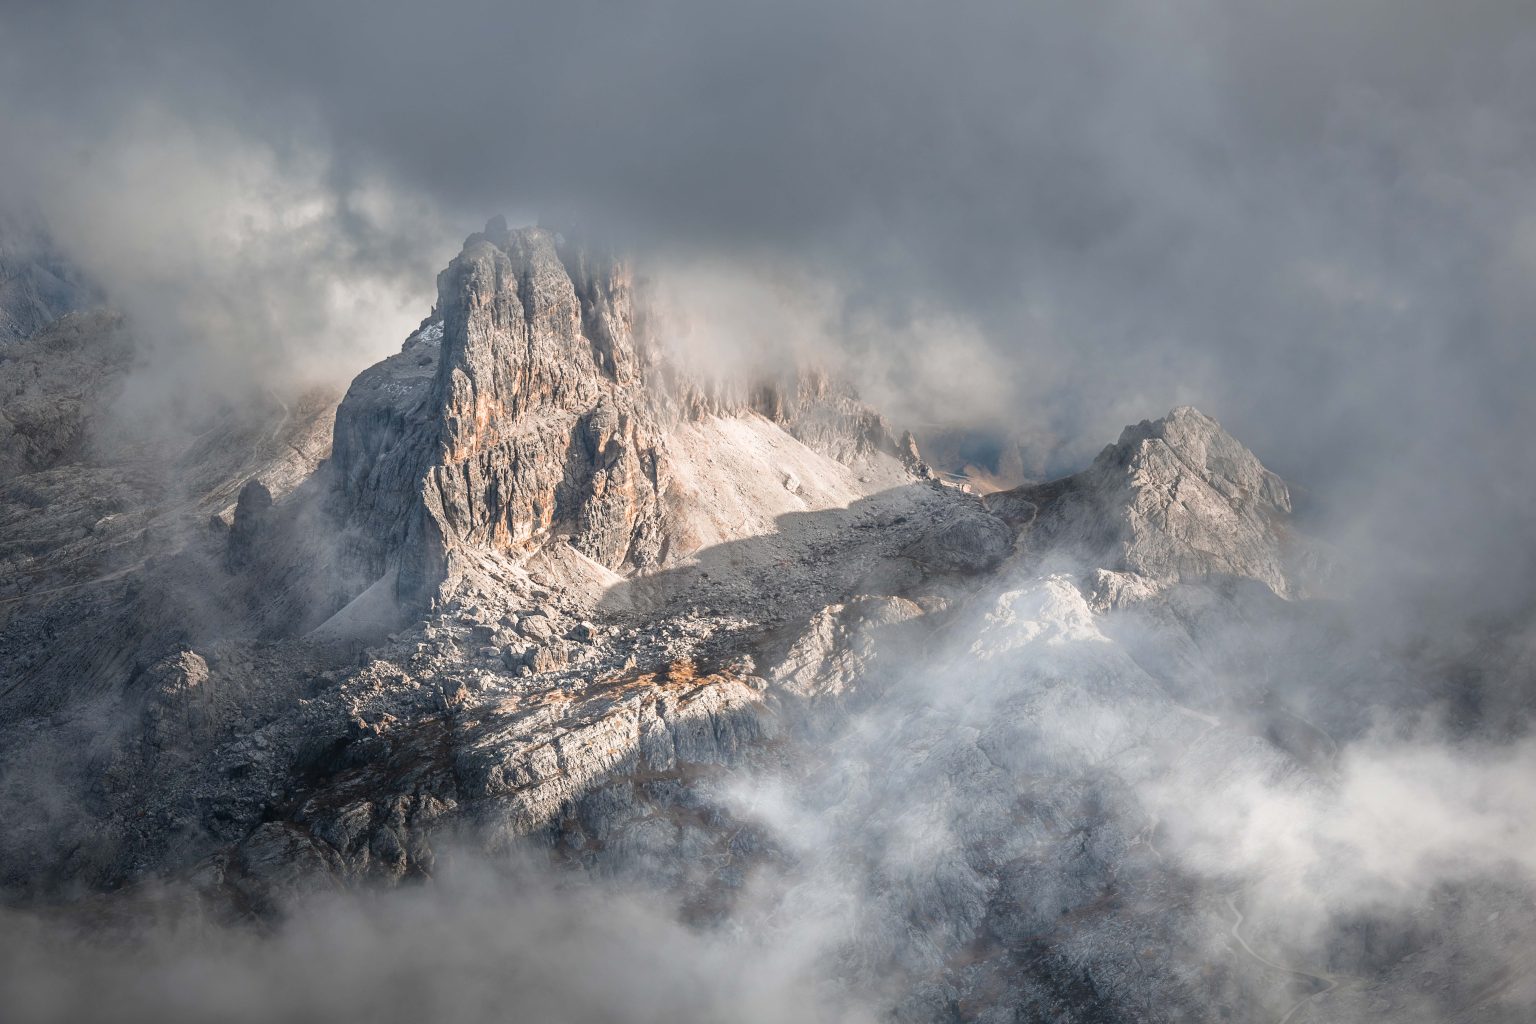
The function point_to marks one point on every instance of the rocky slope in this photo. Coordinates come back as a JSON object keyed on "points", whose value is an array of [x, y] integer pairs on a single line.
{"points": [[525, 444], [549, 596], [38, 284], [1173, 499]]}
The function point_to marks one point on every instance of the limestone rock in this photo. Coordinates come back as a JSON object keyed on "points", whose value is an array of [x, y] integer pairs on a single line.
{"points": [[54, 385], [544, 658], [535, 626], [1174, 499], [38, 283], [968, 540]]}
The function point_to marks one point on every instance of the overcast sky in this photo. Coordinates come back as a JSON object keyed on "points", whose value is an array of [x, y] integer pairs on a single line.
{"points": [[1315, 220]]}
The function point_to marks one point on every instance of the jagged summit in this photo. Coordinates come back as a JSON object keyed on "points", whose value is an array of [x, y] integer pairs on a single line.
{"points": [[550, 593], [1213, 455], [533, 406], [1176, 498]]}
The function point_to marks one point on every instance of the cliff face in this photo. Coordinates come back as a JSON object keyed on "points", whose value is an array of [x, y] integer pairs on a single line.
{"points": [[540, 422], [532, 407], [513, 415], [1177, 498], [730, 643]]}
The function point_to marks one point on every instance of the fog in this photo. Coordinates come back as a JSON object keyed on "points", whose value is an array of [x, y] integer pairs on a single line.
{"points": [[1039, 221], [509, 943], [1044, 220], [1158, 829]]}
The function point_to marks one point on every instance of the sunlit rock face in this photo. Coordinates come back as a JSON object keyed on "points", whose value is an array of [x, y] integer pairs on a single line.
{"points": [[537, 422], [532, 406], [531, 419], [729, 644], [500, 419]]}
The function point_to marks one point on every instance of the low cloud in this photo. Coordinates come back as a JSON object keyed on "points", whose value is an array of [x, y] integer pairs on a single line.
{"points": [[512, 943], [1040, 220]]}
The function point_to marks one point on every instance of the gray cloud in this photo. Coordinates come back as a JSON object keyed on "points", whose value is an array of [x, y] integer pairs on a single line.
{"points": [[512, 943], [1314, 220], [1048, 219]]}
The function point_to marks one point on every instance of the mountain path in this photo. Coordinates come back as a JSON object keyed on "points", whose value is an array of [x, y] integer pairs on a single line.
{"points": [[1329, 981]]}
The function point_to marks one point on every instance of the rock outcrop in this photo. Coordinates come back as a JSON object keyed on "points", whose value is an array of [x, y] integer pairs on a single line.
{"points": [[1174, 499], [733, 643], [38, 284], [533, 407]]}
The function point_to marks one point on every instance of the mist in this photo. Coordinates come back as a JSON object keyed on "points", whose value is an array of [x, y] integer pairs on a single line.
{"points": [[508, 943], [1312, 223], [875, 853], [1037, 222]]}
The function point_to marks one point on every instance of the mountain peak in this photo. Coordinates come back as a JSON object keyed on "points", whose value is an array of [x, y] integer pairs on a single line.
{"points": [[534, 406], [1174, 499], [1208, 452]]}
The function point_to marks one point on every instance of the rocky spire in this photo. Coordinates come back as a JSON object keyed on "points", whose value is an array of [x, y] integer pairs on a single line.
{"points": [[527, 425], [531, 407]]}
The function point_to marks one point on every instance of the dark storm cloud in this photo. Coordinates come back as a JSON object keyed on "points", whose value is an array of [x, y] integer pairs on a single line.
{"points": [[1312, 219]]}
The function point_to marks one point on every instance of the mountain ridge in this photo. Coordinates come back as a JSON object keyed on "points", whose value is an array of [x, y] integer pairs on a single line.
{"points": [[546, 595]]}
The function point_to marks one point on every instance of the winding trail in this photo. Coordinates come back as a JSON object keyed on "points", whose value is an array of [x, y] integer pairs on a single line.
{"points": [[66, 587], [1329, 982]]}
